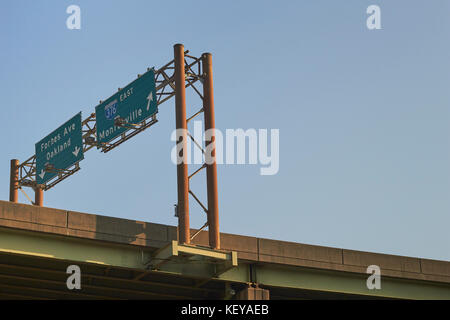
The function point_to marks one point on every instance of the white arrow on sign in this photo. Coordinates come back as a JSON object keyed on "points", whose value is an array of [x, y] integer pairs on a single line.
{"points": [[149, 98], [42, 174], [75, 153]]}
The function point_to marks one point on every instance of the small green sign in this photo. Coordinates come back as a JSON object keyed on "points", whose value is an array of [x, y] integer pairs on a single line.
{"points": [[59, 150]]}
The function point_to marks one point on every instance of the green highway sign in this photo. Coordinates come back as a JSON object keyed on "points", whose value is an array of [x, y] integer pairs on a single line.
{"points": [[129, 106], [59, 150]]}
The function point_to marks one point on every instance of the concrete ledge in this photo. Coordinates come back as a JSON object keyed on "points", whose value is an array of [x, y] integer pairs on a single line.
{"points": [[28, 213], [391, 262], [434, 267], [285, 249], [117, 227]]}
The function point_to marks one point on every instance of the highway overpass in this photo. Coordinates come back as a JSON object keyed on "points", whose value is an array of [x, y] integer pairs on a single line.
{"points": [[125, 259]]}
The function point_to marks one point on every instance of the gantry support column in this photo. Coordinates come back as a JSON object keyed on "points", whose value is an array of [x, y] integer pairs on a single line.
{"points": [[38, 196], [211, 168], [182, 169], [14, 181]]}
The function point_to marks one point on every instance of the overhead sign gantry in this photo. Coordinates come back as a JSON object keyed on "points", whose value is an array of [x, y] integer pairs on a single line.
{"points": [[120, 117]]}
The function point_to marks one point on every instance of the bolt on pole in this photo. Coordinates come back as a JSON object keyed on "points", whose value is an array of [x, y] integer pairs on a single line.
{"points": [[14, 181], [182, 169], [211, 168]]}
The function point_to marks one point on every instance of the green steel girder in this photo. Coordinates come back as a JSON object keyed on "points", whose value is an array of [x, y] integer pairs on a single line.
{"points": [[349, 283], [72, 249]]}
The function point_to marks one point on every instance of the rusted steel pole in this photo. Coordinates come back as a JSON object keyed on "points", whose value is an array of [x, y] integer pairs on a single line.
{"points": [[182, 169], [14, 181], [38, 196], [211, 168]]}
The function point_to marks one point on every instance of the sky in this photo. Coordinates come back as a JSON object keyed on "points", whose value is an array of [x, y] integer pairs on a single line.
{"points": [[363, 115]]}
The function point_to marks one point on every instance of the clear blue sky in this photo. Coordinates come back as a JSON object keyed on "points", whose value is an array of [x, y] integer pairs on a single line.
{"points": [[363, 115]]}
